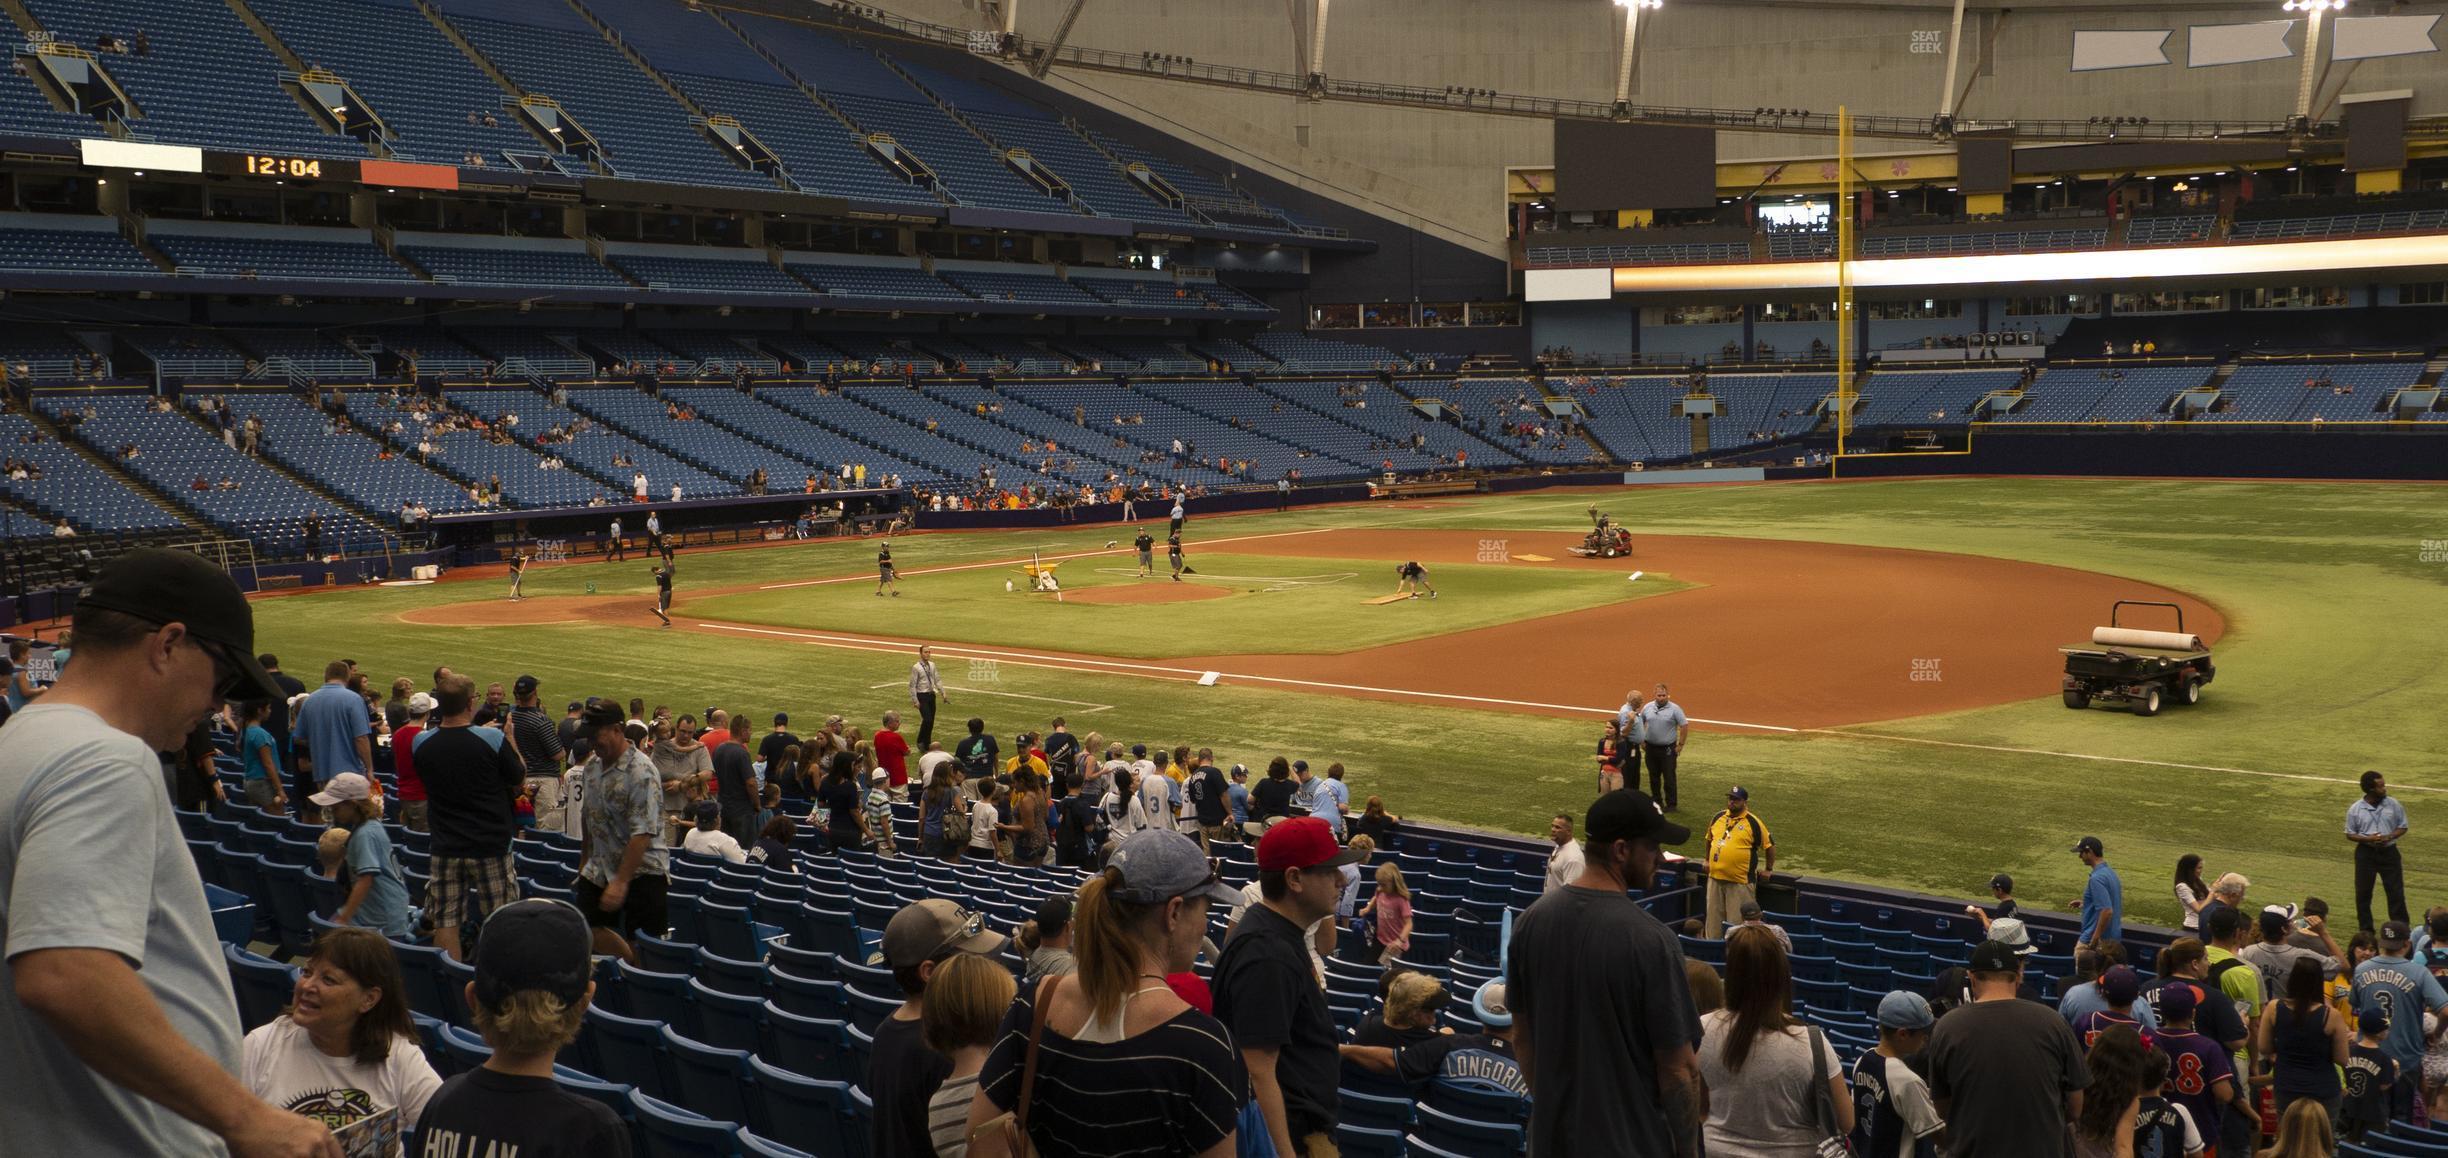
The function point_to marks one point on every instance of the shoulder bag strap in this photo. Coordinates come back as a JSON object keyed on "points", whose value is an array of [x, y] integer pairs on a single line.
{"points": [[1028, 1067]]}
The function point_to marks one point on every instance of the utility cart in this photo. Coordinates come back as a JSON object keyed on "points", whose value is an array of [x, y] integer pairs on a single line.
{"points": [[2147, 669]]}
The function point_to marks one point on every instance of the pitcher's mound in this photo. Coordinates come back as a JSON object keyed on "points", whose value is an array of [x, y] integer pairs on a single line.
{"points": [[1165, 591]]}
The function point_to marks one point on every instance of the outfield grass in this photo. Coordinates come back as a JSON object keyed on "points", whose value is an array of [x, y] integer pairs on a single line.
{"points": [[2330, 666]]}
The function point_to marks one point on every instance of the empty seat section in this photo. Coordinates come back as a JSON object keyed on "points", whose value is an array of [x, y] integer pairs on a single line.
{"points": [[1636, 418], [1149, 439], [1389, 420], [341, 459], [1305, 352], [664, 271], [2185, 230], [900, 283], [1096, 178], [1030, 288], [819, 153], [71, 487], [1490, 405], [432, 99], [868, 437], [1922, 399], [593, 446], [173, 451], [680, 433], [512, 262], [470, 458], [760, 420], [278, 253], [85, 245], [646, 135], [204, 79]]}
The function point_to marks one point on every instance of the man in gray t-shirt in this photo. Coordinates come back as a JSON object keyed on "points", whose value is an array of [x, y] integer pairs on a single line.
{"points": [[1604, 1026], [118, 1031]]}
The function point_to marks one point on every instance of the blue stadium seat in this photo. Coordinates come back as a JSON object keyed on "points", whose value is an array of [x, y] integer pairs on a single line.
{"points": [[756, 1147], [1357, 1141], [711, 1080], [466, 1048], [811, 1114], [729, 1020], [263, 986], [671, 1132], [629, 1050], [657, 996], [1466, 1135], [868, 1010], [424, 993], [814, 1047]]}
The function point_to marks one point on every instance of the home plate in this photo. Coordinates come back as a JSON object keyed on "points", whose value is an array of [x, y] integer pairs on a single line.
{"points": [[1535, 558]]}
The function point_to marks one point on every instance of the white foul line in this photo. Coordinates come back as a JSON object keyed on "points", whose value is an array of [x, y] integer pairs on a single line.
{"points": [[1190, 675], [1017, 562]]}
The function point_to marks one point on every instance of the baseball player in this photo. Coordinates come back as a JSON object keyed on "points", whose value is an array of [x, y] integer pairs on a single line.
{"points": [[518, 571], [663, 582], [618, 550], [1173, 553], [1176, 516], [885, 575], [1411, 578], [1147, 553]]}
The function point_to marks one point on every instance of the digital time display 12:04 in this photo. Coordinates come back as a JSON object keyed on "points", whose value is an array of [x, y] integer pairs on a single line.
{"points": [[281, 166]]}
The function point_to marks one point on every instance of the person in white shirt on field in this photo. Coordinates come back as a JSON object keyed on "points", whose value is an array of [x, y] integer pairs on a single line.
{"points": [[708, 838]]}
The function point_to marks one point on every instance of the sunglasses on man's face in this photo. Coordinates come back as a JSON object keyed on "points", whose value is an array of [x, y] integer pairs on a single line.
{"points": [[229, 677]]}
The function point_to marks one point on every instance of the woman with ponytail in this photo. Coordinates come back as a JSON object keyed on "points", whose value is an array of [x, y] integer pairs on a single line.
{"points": [[1115, 1028]]}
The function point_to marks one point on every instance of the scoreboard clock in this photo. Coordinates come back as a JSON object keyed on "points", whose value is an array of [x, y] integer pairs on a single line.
{"points": [[281, 166]]}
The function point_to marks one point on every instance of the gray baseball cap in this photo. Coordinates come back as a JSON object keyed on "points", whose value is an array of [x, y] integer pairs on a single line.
{"points": [[1158, 865]]}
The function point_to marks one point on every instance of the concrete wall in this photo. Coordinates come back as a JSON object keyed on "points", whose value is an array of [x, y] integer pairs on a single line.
{"points": [[1443, 171]]}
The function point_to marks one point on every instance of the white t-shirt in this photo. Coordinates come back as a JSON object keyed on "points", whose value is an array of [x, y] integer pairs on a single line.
{"points": [[982, 821], [1768, 1108], [929, 762], [1564, 865], [714, 842], [281, 1065]]}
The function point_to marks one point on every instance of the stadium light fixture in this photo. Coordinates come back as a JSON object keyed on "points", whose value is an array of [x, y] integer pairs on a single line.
{"points": [[1640, 3], [2315, 5]]}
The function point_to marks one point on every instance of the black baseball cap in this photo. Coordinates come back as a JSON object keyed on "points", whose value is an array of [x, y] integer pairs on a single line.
{"points": [[533, 944], [2002, 883], [1994, 957], [602, 713], [164, 586], [2090, 844], [2395, 931], [1627, 814], [525, 686], [575, 705]]}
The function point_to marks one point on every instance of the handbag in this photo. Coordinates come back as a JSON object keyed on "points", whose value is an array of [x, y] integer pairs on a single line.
{"points": [[1012, 1124], [1833, 1143]]}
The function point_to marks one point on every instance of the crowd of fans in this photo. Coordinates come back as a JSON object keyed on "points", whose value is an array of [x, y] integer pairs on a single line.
{"points": [[1607, 1037]]}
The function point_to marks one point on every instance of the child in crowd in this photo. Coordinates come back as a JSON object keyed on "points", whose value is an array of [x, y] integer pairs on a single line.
{"points": [[1390, 910], [772, 848], [331, 854], [1894, 1113], [2371, 1077], [964, 1006], [708, 838], [2157, 1118], [878, 807], [378, 891], [529, 1000]]}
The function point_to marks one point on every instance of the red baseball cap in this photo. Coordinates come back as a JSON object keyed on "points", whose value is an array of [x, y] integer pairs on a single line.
{"points": [[1300, 843]]}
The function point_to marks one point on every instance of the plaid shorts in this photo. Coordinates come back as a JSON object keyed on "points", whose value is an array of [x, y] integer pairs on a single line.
{"points": [[477, 884]]}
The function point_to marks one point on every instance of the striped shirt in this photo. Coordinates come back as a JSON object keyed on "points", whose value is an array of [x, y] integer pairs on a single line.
{"points": [[948, 1117], [1174, 1088]]}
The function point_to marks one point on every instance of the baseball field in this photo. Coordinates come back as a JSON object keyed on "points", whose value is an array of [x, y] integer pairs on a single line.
{"points": [[1875, 661]]}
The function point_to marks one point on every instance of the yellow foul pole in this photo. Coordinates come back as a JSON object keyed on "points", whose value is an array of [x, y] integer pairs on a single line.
{"points": [[1844, 277]]}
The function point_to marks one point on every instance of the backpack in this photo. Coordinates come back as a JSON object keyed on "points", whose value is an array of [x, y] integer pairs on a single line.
{"points": [[2435, 958], [956, 825]]}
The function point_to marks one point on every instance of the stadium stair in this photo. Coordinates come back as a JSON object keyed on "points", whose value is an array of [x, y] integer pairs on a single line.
{"points": [[305, 481], [931, 186]]}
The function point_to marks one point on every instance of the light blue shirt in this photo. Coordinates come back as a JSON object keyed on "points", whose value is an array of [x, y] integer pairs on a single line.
{"points": [[2103, 905], [1662, 724], [2086, 998], [1329, 801], [2363, 818], [1237, 796], [2402, 990], [253, 745], [330, 721], [385, 907]]}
